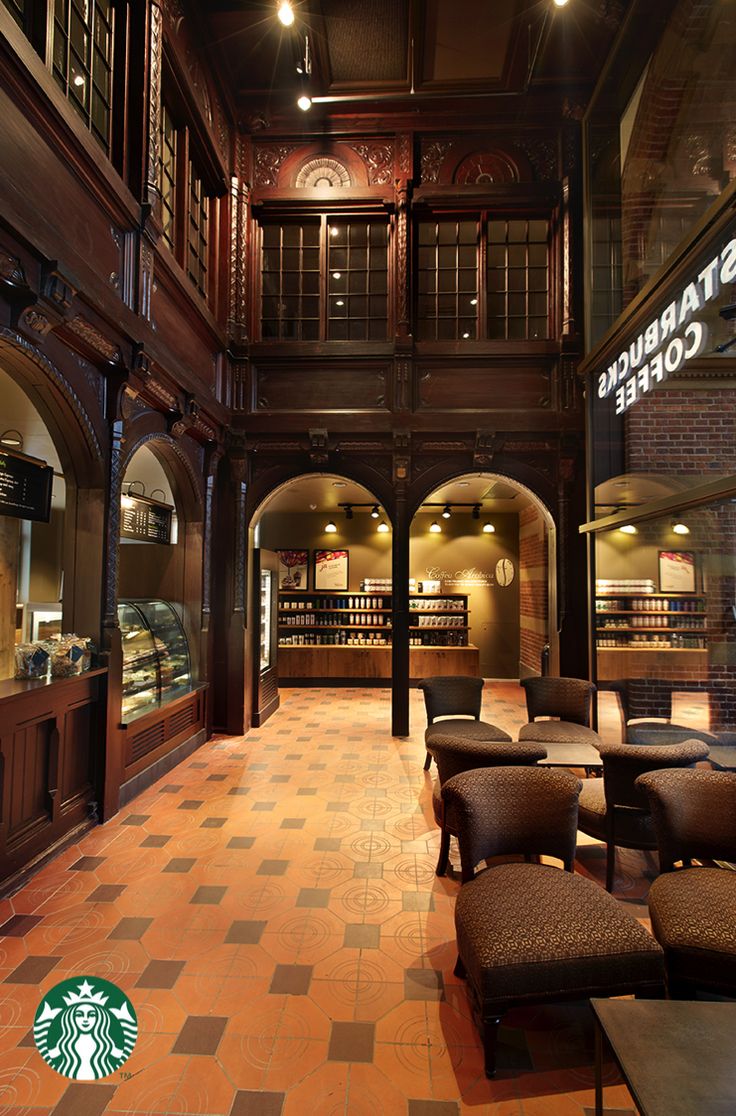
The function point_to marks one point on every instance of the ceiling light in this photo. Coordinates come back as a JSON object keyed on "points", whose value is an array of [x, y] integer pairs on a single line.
{"points": [[348, 511], [375, 513], [330, 528], [628, 529], [12, 438], [447, 512], [339, 484], [463, 484], [435, 528], [476, 511], [489, 529], [286, 13], [382, 528], [680, 528], [304, 102]]}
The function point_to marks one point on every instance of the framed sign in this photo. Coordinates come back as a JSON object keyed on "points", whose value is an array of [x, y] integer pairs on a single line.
{"points": [[331, 569], [25, 486], [145, 520], [676, 571], [293, 569]]}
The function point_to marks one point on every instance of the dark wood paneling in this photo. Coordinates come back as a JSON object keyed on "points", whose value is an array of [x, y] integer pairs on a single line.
{"points": [[149, 738], [482, 388], [51, 755], [323, 388]]}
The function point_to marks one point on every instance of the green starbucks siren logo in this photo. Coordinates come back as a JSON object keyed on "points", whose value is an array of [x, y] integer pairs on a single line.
{"points": [[85, 1028]]}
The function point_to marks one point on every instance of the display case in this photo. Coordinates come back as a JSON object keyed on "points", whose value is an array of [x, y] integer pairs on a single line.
{"points": [[265, 618], [156, 663]]}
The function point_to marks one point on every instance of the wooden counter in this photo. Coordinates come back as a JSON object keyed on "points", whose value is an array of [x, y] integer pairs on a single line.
{"points": [[370, 665]]}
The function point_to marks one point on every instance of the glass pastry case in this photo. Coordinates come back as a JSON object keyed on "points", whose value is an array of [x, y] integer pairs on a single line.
{"points": [[156, 663], [266, 610]]}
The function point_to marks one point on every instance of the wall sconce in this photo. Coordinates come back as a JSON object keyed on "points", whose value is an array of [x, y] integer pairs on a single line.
{"points": [[447, 512], [330, 528], [12, 438], [679, 527], [489, 529], [383, 528], [434, 528], [628, 529]]}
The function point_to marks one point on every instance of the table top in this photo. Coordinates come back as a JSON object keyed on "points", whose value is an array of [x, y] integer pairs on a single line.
{"points": [[723, 756], [677, 1056], [571, 755]]}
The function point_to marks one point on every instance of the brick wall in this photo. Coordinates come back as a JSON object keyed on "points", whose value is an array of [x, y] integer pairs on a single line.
{"points": [[533, 588]]}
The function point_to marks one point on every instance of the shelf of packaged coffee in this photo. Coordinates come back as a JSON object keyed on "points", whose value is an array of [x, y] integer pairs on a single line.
{"points": [[642, 629], [669, 650], [339, 627], [646, 612], [302, 611]]}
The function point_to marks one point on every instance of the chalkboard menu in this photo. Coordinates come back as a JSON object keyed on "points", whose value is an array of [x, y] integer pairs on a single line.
{"points": [[145, 520], [25, 486]]}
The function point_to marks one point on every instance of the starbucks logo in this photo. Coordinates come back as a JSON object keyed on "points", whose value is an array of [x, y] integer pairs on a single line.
{"points": [[85, 1028]]}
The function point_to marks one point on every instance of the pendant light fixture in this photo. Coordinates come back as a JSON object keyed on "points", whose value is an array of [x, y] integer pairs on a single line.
{"points": [[447, 512], [330, 528], [489, 529], [628, 529], [382, 528], [434, 528], [375, 514]]}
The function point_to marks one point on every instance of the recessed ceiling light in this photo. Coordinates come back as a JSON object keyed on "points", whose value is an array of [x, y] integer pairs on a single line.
{"points": [[286, 13], [489, 529], [463, 484]]}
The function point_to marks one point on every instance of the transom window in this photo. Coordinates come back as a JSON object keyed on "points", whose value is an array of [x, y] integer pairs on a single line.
{"points": [[483, 278], [82, 60], [324, 279]]}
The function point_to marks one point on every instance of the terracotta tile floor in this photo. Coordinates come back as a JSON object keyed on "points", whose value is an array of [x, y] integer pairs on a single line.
{"points": [[271, 908]]}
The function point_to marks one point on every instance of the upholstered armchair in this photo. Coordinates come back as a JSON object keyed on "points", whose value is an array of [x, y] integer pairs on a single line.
{"points": [[456, 698], [614, 809], [568, 700], [693, 909]]}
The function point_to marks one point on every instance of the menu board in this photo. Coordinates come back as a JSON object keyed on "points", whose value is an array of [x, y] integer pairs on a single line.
{"points": [[25, 486], [145, 520]]}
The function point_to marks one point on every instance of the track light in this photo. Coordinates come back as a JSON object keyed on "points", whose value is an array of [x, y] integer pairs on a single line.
{"points": [[375, 513], [434, 528], [628, 529], [382, 528], [286, 13], [348, 511], [560, 3], [330, 528], [679, 527], [489, 529], [476, 511], [447, 512], [304, 102]]}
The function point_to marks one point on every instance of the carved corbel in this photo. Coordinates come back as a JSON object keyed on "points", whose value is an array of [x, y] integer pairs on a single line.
{"points": [[181, 420], [487, 445], [401, 459], [318, 447], [56, 289]]}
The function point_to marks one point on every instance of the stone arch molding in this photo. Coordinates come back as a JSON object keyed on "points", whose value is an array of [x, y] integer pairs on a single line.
{"points": [[18, 351]]}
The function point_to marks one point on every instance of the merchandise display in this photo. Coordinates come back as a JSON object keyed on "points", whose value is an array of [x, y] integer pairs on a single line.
{"points": [[156, 664], [63, 657], [654, 622]]}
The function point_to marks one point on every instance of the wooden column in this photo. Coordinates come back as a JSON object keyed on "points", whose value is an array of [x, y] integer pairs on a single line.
{"points": [[400, 592], [9, 541]]}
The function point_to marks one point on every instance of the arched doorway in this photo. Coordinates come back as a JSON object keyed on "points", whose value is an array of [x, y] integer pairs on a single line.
{"points": [[483, 549], [327, 541]]}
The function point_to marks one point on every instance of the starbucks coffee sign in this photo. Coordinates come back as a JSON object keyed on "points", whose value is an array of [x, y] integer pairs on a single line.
{"points": [[85, 1028], [671, 339]]}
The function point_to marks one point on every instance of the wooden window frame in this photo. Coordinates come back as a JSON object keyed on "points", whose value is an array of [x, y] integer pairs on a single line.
{"points": [[324, 219]]}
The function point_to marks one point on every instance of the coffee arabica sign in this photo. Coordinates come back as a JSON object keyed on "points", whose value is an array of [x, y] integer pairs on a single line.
{"points": [[671, 339]]}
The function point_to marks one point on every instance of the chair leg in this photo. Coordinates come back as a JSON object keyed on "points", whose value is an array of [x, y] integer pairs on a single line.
{"points": [[490, 1044], [428, 761], [610, 864], [459, 969], [444, 856]]}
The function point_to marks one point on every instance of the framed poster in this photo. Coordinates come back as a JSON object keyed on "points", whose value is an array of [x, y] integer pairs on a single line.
{"points": [[331, 569], [293, 569], [676, 571]]}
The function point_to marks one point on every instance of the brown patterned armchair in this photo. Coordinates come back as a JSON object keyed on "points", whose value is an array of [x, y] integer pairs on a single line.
{"points": [[453, 755], [568, 700], [693, 910], [529, 933], [457, 699], [614, 809]]}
